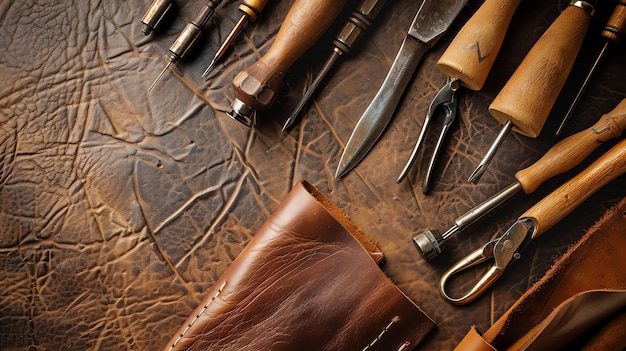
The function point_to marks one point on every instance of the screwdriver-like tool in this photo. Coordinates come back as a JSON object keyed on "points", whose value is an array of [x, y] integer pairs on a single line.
{"points": [[613, 33], [256, 87], [346, 39], [536, 221], [562, 157], [467, 60], [188, 37], [250, 11], [154, 14], [528, 96]]}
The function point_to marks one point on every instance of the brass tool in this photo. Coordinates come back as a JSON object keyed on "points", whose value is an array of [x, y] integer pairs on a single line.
{"points": [[467, 61], [250, 10], [421, 36], [154, 14], [528, 96], [536, 221], [256, 87], [344, 42], [188, 37], [562, 157], [613, 33]]}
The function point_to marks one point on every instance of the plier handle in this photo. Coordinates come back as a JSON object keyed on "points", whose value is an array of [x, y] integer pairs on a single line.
{"points": [[447, 99]]}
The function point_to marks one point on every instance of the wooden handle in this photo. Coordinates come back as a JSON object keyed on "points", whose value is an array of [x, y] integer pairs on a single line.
{"points": [[252, 8], [615, 28], [473, 51], [572, 150], [530, 93], [305, 22], [554, 207]]}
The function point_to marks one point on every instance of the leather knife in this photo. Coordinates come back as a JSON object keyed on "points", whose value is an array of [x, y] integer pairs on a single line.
{"points": [[433, 18]]}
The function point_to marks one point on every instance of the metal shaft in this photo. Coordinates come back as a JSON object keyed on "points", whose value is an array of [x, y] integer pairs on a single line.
{"points": [[189, 36], [482, 166], [346, 40]]}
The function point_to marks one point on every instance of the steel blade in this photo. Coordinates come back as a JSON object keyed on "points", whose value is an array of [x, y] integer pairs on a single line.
{"points": [[432, 19]]}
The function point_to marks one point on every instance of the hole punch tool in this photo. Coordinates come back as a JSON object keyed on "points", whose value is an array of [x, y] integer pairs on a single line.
{"points": [[525, 101], [535, 222], [562, 157], [467, 61]]}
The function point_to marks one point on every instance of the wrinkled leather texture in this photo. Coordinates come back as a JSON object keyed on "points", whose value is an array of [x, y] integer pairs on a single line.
{"points": [[303, 283], [119, 209], [583, 291]]}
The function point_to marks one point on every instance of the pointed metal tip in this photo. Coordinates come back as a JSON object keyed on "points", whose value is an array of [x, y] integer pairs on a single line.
{"points": [[159, 76], [287, 124], [477, 174], [343, 168], [209, 68]]}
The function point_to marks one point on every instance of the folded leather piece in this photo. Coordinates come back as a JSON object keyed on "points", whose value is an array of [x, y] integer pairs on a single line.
{"points": [[585, 290], [304, 283]]}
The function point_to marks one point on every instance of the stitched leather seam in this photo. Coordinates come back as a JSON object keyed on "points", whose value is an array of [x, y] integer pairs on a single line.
{"points": [[394, 320], [182, 335]]}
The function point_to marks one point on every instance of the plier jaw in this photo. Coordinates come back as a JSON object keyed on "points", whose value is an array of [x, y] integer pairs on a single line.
{"points": [[503, 250], [446, 98]]}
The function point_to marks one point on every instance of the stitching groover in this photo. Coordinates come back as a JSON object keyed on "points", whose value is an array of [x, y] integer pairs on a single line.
{"points": [[204, 308], [394, 320]]}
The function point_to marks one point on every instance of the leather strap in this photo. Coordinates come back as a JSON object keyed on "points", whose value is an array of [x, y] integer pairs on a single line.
{"points": [[304, 283], [474, 341]]}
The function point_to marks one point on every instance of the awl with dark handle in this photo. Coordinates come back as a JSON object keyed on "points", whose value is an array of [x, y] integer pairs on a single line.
{"points": [[613, 33], [349, 35], [256, 87], [562, 157], [432, 20], [535, 222], [467, 61], [527, 98]]}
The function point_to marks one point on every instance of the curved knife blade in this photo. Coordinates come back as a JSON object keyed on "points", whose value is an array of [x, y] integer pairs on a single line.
{"points": [[432, 19]]}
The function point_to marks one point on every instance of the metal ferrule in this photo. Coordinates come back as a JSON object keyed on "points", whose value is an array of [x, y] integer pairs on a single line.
{"points": [[154, 15], [185, 41], [242, 113], [588, 7]]}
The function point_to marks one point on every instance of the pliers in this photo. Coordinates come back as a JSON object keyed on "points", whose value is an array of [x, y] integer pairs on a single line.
{"points": [[447, 99]]}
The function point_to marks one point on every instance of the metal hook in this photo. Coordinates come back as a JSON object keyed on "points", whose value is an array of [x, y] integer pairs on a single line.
{"points": [[503, 250], [446, 98]]}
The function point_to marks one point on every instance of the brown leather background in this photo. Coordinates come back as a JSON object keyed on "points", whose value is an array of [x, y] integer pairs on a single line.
{"points": [[119, 209]]}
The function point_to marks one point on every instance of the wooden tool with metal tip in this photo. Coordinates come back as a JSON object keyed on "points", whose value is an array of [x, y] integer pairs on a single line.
{"points": [[527, 98], [256, 87]]}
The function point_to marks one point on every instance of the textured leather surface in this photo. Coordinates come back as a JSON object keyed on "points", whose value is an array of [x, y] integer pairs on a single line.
{"points": [[303, 283], [120, 209]]}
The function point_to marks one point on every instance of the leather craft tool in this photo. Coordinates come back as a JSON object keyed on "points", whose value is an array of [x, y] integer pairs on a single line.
{"points": [[528, 96], [562, 157], [250, 10], [154, 14], [422, 35], [188, 37], [536, 221], [256, 87], [467, 61], [613, 33], [344, 42]]}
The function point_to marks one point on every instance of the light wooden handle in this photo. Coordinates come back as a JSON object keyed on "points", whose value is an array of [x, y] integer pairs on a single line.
{"points": [[554, 207], [574, 149], [530, 93], [615, 28], [473, 51], [305, 22]]}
